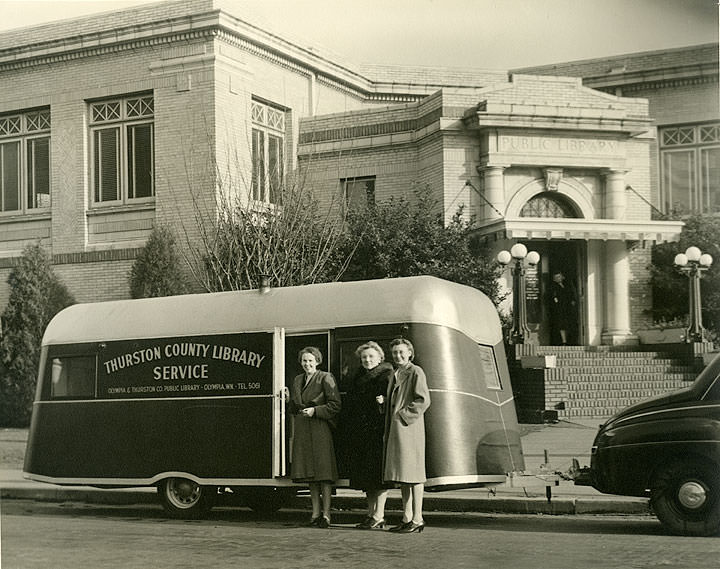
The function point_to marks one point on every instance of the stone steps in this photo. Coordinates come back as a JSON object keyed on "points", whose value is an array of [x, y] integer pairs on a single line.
{"points": [[605, 369], [580, 374], [648, 388], [598, 381]]}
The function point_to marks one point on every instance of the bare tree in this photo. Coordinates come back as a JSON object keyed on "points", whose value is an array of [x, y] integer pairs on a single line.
{"points": [[287, 237]]}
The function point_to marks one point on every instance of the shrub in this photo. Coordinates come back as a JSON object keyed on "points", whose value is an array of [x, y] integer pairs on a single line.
{"points": [[402, 238], [36, 295], [670, 287], [157, 271]]}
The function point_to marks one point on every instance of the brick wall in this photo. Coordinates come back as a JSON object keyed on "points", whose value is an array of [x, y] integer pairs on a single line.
{"points": [[639, 287], [682, 103]]}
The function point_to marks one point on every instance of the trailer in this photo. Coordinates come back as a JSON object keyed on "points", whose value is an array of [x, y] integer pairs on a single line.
{"points": [[185, 393]]}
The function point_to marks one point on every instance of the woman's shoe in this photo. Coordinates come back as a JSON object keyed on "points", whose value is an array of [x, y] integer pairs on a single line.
{"points": [[413, 528], [366, 523], [376, 524], [314, 522], [323, 523], [401, 526]]}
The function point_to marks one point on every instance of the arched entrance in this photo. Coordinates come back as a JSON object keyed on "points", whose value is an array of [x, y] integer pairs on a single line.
{"points": [[551, 308]]}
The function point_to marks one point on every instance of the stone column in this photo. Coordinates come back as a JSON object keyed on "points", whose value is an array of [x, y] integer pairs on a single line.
{"points": [[615, 202], [494, 190], [617, 297]]}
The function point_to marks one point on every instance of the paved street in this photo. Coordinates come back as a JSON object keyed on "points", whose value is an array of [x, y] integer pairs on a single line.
{"points": [[78, 536]]}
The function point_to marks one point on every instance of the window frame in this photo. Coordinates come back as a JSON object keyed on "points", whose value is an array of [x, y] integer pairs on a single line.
{"points": [[75, 394], [121, 122], [24, 128], [369, 193], [676, 139], [268, 124]]}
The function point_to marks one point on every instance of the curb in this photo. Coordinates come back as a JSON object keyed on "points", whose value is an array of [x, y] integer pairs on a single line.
{"points": [[432, 503]]}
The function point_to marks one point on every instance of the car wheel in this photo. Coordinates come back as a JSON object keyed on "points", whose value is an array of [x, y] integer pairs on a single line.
{"points": [[183, 498], [685, 496]]}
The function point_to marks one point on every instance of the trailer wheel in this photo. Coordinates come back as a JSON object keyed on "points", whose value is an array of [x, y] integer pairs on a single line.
{"points": [[267, 501], [685, 496], [182, 498]]}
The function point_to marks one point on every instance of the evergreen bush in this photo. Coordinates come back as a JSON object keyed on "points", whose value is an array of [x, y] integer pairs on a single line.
{"points": [[402, 238], [36, 295], [157, 271], [670, 287]]}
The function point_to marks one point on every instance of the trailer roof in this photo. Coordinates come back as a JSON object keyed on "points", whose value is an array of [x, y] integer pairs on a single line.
{"points": [[313, 307]]}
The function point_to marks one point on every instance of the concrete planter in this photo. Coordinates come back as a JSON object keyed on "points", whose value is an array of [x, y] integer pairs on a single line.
{"points": [[662, 336]]}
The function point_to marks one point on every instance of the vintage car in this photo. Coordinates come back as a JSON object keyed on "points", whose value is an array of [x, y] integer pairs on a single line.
{"points": [[667, 447]]}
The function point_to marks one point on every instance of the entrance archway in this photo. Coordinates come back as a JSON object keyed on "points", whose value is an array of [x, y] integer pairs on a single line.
{"points": [[552, 308], [567, 257]]}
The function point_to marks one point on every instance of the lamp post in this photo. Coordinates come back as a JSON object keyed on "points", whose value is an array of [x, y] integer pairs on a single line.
{"points": [[522, 259], [693, 263]]}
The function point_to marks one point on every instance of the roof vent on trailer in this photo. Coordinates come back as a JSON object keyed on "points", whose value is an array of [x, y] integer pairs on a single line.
{"points": [[264, 287]]}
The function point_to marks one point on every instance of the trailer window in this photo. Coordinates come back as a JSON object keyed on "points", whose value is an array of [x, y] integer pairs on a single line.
{"points": [[489, 368], [72, 377]]}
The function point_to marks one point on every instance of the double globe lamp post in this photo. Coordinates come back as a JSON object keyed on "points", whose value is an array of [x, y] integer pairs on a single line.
{"points": [[693, 262], [522, 259]]}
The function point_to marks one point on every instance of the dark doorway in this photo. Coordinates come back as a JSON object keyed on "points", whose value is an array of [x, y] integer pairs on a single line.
{"points": [[546, 317]]}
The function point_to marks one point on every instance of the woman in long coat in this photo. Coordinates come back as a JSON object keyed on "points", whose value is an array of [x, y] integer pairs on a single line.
{"points": [[365, 404], [408, 399], [315, 404], [563, 299]]}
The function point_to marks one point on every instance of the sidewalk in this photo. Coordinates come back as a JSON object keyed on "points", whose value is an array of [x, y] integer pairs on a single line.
{"points": [[560, 443]]}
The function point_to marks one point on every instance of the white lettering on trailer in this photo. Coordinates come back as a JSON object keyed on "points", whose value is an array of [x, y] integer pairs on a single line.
{"points": [[128, 360], [188, 349], [197, 371], [228, 354]]}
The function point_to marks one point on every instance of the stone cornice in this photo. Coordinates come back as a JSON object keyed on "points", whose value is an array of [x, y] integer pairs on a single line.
{"points": [[665, 83], [657, 78], [629, 126], [68, 51], [209, 25]]}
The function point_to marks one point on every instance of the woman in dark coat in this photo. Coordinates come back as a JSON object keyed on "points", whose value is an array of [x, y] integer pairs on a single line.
{"points": [[366, 402], [562, 307], [315, 403], [408, 399]]}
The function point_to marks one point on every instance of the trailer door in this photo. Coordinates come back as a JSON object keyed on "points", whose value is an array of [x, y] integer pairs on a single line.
{"points": [[280, 452], [293, 343]]}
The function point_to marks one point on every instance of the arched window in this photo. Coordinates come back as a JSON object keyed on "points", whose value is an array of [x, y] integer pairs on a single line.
{"points": [[549, 204]]}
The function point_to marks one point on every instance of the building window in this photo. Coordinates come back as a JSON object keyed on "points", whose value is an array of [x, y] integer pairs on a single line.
{"points": [[25, 162], [548, 204], [690, 163], [268, 156], [359, 192], [123, 155]]}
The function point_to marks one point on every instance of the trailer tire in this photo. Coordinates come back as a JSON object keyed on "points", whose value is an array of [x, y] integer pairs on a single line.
{"points": [[267, 501], [685, 496], [185, 499]]}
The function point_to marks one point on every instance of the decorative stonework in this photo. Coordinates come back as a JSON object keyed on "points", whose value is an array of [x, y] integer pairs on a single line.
{"points": [[553, 177]]}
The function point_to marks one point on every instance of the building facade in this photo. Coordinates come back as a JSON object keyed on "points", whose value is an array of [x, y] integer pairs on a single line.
{"points": [[113, 124]]}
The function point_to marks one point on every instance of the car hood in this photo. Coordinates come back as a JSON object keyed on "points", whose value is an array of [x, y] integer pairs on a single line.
{"points": [[659, 401]]}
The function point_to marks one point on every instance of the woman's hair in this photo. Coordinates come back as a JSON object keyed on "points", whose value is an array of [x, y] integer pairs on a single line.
{"points": [[371, 346], [310, 350], [408, 343]]}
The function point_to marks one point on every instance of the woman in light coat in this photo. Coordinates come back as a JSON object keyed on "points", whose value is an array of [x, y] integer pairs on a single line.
{"points": [[315, 404], [408, 399]]}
